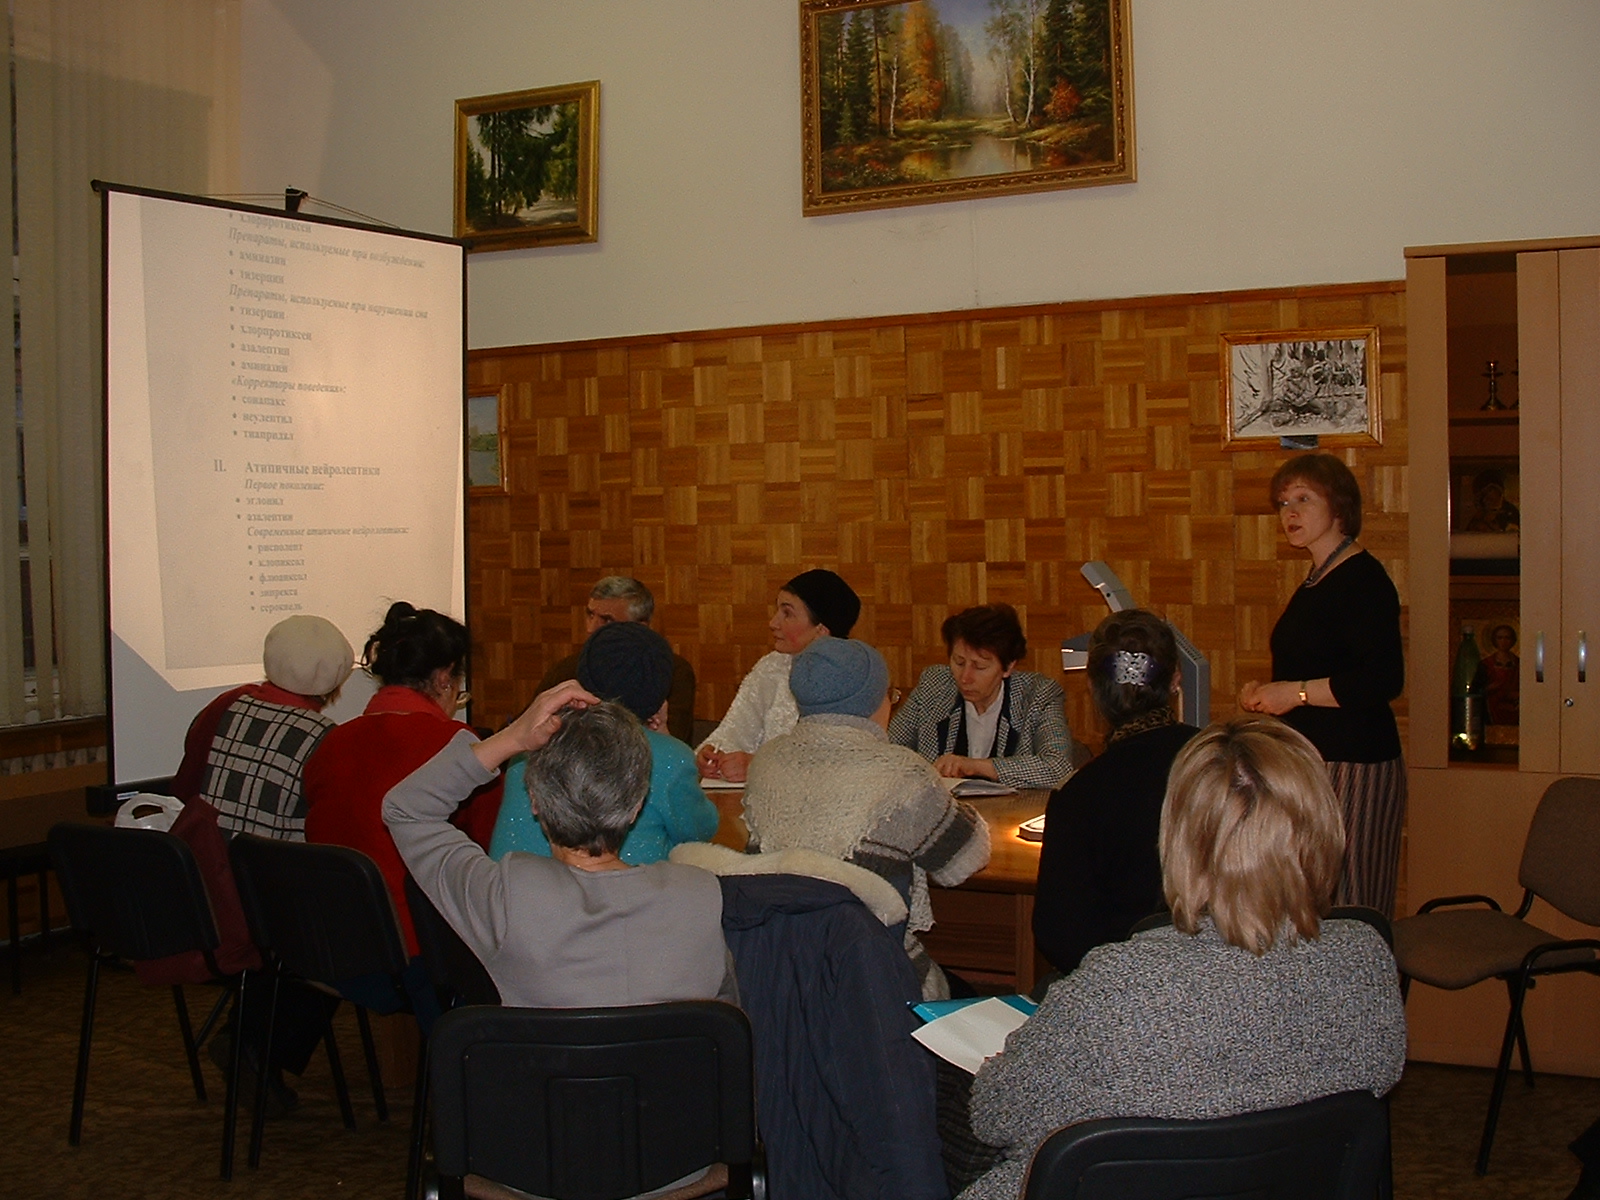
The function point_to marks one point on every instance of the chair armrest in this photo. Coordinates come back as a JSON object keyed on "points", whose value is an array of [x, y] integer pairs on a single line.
{"points": [[1443, 901], [1530, 961]]}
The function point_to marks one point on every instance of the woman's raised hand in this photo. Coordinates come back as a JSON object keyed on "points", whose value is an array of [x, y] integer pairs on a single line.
{"points": [[533, 728]]}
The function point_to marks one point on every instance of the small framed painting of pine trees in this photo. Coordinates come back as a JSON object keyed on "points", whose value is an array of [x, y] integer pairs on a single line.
{"points": [[919, 101], [528, 167]]}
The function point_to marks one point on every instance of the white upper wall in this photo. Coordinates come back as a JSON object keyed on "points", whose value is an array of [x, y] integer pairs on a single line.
{"points": [[1279, 143]]}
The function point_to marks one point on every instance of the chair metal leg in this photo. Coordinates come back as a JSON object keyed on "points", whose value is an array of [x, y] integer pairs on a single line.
{"points": [[419, 1123], [14, 928], [379, 1101], [1522, 1039], [214, 1016], [258, 1121], [1502, 1071], [230, 1105], [1386, 1168], [44, 910], [189, 1049], [336, 1068], [81, 1082]]}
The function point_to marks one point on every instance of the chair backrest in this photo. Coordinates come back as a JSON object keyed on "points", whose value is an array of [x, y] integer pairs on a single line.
{"points": [[591, 1103], [452, 966], [1561, 858], [323, 911], [1328, 1149], [137, 891]]}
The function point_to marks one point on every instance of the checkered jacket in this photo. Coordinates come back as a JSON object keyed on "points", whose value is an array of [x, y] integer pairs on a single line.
{"points": [[1033, 748], [253, 772]]}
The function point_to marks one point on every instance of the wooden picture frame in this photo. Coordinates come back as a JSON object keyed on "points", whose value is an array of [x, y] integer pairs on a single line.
{"points": [[1301, 383], [528, 167], [485, 424], [1040, 97]]}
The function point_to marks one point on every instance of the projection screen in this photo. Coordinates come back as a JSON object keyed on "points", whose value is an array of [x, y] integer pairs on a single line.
{"points": [[284, 407]]}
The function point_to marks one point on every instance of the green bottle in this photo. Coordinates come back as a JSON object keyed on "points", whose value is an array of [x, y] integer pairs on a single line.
{"points": [[1466, 694]]}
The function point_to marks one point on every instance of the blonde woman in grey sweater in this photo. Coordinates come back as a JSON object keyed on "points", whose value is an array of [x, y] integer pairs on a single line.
{"points": [[1250, 1000]]}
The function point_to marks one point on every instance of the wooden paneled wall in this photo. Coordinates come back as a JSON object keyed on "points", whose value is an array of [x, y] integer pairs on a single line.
{"points": [[934, 461]]}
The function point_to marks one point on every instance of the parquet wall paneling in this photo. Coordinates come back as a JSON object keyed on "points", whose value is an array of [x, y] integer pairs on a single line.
{"points": [[934, 461]]}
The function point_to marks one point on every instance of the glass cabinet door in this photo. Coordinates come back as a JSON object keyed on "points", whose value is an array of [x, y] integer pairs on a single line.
{"points": [[1484, 503]]}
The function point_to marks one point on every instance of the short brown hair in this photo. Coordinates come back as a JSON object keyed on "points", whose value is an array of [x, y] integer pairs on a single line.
{"points": [[1251, 834], [994, 628], [1328, 475]]}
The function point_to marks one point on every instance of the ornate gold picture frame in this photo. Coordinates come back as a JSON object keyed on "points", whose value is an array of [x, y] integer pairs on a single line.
{"points": [[528, 167], [486, 442], [921, 101], [1301, 383]]}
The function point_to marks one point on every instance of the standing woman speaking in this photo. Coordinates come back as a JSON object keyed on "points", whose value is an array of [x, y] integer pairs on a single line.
{"points": [[1337, 662]]}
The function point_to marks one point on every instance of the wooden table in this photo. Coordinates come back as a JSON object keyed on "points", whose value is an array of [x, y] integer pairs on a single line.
{"points": [[984, 926]]}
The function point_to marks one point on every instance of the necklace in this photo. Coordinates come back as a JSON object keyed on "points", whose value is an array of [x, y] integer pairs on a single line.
{"points": [[1321, 569]]}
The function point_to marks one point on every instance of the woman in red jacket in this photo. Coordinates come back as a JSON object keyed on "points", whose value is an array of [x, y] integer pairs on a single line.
{"points": [[419, 658]]}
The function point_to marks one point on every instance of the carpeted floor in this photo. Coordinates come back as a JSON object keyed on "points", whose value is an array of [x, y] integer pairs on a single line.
{"points": [[145, 1135]]}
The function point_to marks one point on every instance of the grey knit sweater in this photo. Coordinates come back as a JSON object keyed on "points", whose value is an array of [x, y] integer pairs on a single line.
{"points": [[1169, 1025]]}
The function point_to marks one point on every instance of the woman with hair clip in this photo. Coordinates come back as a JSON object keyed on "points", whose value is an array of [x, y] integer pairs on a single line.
{"points": [[419, 659], [1251, 999], [1099, 872]]}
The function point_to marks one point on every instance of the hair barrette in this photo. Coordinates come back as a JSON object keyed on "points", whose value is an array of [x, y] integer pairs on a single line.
{"points": [[1132, 666]]}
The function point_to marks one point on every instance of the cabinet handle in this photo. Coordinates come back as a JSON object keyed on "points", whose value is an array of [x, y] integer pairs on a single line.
{"points": [[1583, 656], [1538, 658]]}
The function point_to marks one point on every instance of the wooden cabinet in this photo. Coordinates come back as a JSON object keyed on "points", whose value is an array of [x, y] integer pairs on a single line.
{"points": [[1538, 306]]}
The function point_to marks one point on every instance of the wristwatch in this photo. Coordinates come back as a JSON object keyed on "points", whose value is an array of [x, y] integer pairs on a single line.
{"points": [[1304, 699]]}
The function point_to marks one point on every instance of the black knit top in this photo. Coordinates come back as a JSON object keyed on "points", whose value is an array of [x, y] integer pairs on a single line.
{"points": [[1100, 866], [1346, 628]]}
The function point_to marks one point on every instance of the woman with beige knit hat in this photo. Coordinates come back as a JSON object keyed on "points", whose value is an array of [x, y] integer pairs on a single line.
{"points": [[246, 750]]}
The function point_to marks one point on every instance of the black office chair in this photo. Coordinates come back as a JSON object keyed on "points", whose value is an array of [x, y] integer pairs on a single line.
{"points": [[321, 913], [595, 1103], [1335, 1148], [459, 977], [138, 895], [16, 861], [457, 973]]}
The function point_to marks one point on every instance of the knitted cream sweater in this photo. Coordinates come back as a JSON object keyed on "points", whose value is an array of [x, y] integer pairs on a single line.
{"points": [[836, 785]]}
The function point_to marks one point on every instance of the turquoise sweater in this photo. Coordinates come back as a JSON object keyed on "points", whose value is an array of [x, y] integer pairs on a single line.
{"points": [[676, 810]]}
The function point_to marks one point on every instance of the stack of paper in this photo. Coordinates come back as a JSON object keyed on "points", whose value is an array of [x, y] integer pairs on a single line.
{"points": [[977, 787], [969, 1031]]}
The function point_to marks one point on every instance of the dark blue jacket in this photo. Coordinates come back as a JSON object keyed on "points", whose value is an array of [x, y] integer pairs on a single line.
{"points": [[844, 1095]]}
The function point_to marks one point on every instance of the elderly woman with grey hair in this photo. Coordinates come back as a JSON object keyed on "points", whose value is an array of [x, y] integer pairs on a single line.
{"points": [[547, 929]]}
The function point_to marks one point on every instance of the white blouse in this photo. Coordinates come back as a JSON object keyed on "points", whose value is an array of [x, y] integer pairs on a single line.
{"points": [[762, 709]]}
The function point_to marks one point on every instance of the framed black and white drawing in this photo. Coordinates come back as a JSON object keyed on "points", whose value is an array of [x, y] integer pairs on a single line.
{"points": [[1300, 383]]}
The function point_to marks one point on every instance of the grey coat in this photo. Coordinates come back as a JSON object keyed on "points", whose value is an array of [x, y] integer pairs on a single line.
{"points": [[1173, 1025]]}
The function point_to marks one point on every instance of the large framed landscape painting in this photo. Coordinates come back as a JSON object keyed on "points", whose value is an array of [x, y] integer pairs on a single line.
{"points": [[1301, 384], [919, 101], [527, 167]]}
